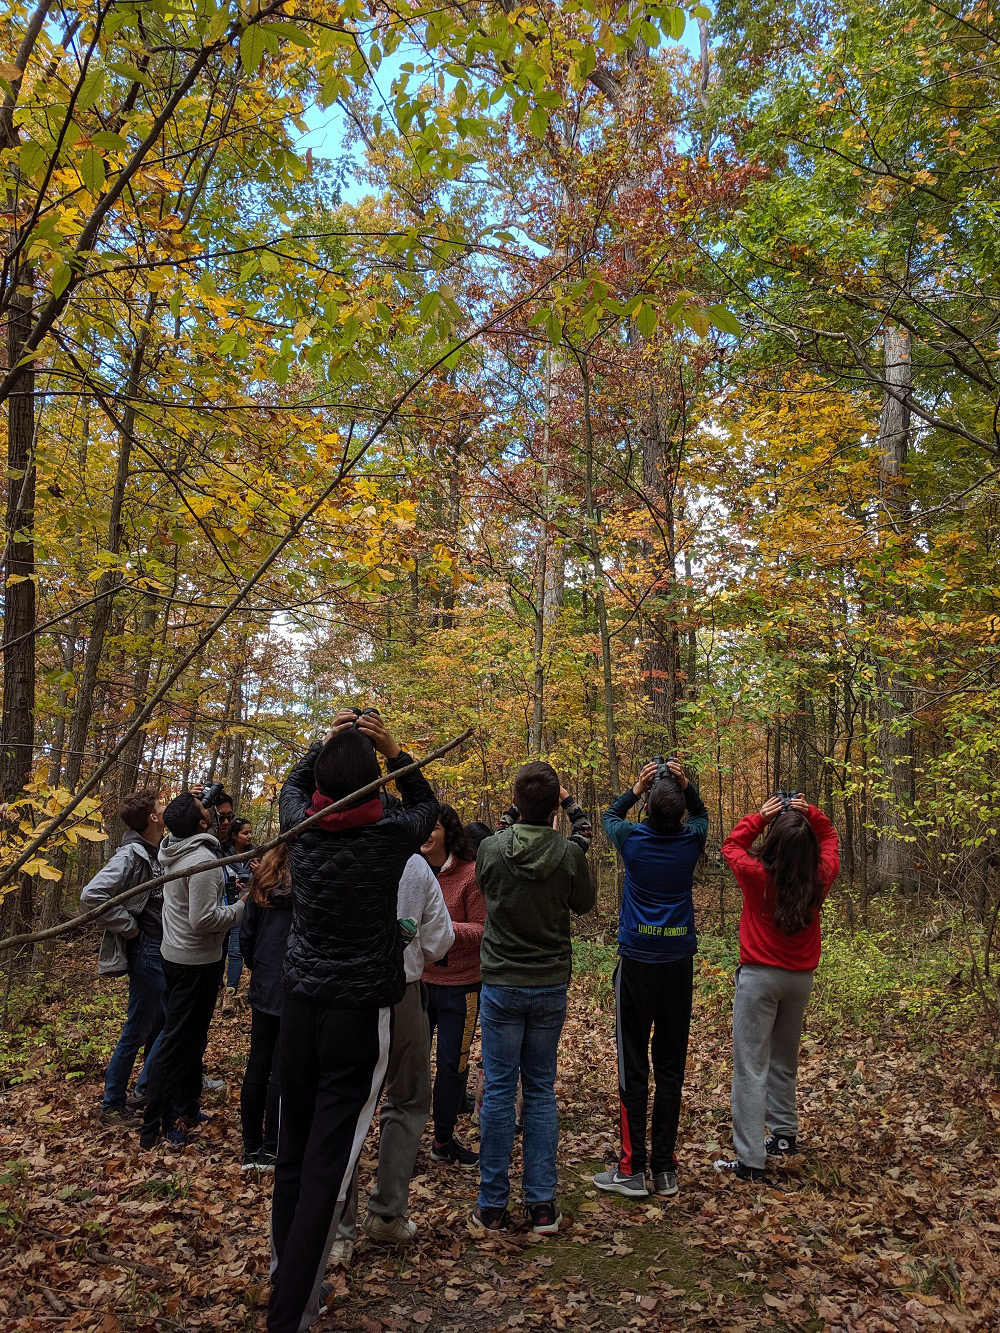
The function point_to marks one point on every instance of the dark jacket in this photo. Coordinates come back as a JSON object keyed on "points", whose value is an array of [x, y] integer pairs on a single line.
{"points": [[263, 938], [532, 879], [344, 948], [656, 921]]}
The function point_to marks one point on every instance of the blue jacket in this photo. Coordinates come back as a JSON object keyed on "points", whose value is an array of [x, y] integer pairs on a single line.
{"points": [[656, 921]]}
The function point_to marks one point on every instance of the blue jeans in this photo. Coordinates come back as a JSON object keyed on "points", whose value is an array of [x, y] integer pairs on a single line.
{"points": [[520, 1030], [234, 960], [147, 990]]}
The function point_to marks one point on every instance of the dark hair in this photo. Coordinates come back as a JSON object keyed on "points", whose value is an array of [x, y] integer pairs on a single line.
{"points": [[665, 805], [790, 854], [272, 876], [346, 762], [182, 816], [235, 826], [137, 807], [477, 833], [456, 842], [536, 791], [225, 799]]}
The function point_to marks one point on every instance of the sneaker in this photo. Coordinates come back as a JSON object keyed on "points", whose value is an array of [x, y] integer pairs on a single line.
{"points": [[342, 1252], [177, 1137], [544, 1218], [267, 1159], [395, 1231], [122, 1114], [613, 1182], [664, 1182], [212, 1084], [453, 1152], [780, 1145], [136, 1101], [489, 1219], [250, 1160], [741, 1172]]}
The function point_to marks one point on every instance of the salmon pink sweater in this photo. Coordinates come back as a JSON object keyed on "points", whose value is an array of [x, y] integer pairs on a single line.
{"points": [[760, 939], [467, 909]]}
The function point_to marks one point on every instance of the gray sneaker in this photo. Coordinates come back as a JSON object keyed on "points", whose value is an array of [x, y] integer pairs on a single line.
{"points": [[212, 1084], [394, 1231], [664, 1182], [613, 1182]]}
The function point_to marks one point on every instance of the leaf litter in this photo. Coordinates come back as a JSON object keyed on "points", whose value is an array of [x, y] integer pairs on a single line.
{"points": [[888, 1220]]}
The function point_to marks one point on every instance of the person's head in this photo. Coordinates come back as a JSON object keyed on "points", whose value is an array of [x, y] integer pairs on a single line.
{"points": [[477, 832], [790, 853], [185, 816], [346, 762], [241, 834], [665, 805], [271, 876], [536, 792], [448, 838], [142, 811], [224, 810]]}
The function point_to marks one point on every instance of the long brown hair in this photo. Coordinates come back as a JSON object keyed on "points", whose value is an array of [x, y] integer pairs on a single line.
{"points": [[790, 853], [456, 840], [271, 876]]}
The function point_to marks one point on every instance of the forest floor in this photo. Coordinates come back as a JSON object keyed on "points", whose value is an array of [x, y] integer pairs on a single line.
{"points": [[887, 1221]]}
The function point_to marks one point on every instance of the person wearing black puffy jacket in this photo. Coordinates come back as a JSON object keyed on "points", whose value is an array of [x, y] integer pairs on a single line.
{"points": [[343, 974]]}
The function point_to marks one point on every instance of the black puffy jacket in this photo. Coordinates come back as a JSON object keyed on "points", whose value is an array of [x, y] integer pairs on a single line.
{"points": [[263, 940], [344, 948]]}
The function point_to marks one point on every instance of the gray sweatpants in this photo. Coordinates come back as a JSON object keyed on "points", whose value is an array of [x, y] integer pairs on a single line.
{"points": [[768, 1009], [404, 1113]]}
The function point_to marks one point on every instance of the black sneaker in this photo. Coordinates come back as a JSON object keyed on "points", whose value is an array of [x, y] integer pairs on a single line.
{"points": [[780, 1145], [136, 1101], [251, 1159], [741, 1172], [453, 1152], [489, 1219], [544, 1218], [267, 1159], [121, 1114]]}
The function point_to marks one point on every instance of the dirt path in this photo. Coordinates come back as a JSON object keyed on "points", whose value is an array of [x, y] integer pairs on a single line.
{"points": [[888, 1221]]}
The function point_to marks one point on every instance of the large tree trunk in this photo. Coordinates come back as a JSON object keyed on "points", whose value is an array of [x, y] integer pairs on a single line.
{"points": [[893, 734]]}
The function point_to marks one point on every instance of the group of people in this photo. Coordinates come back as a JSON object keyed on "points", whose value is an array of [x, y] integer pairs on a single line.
{"points": [[385, 922]]}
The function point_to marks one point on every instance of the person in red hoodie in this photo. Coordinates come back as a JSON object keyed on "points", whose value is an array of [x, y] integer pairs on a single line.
{"points": [[454, 983], [784, 886]]}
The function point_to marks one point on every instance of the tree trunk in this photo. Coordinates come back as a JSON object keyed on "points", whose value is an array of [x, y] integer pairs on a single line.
{"points": [[893, 734]]}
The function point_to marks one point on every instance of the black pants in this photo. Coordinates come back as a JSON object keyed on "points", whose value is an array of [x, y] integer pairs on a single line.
{"points": [[174, 1087], [259, 1094], [331, 1066], [452, 1011], [651, 997]]}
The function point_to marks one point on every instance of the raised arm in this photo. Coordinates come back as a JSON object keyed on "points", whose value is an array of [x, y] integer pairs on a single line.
{"points": [[582, 895], [297, 793], [616, 826], [829, 845], [581, 831], [697, 820]]}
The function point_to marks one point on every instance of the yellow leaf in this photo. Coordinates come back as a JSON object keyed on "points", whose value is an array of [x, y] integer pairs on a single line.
{"points": [[91, 834], [49, 872]]}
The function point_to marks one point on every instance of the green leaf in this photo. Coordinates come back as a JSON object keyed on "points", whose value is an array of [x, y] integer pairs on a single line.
{"points": [[646, 319], [60, 279], [113, 143], [538, 122], [253, 45], [91, 169], [90, 89], [553, 329], [724, 319]]}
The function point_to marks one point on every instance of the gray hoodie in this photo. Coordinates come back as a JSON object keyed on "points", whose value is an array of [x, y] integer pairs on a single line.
{"points": [[196, 917]]}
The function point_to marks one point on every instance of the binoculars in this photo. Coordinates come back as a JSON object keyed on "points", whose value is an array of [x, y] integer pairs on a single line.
{"points": [[662, 771], [211, 793], [786, 798], [365, 712]]}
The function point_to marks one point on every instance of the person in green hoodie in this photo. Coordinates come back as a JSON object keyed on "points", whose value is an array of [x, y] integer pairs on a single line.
{"points": [[532, 879]]}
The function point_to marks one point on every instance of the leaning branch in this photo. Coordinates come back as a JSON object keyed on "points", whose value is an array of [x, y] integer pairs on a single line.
{"points": [[87, 918]]}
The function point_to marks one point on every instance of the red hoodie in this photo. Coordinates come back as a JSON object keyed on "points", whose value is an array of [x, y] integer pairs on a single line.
{"points": [[467, 908], [760, 939]]}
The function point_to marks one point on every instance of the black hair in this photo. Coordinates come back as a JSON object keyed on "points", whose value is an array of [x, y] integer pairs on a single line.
{"points": [[665, 805], [456, 842], [182, 816], [346, 762], [477, 833], [536, 791]]}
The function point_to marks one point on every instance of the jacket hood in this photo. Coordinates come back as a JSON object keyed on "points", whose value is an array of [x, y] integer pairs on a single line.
{"points": [[196, 850], [133, 839], [535, 851]]}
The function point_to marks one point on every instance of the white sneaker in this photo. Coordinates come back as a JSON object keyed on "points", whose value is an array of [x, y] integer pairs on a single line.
{"points": [[212, 1084], [388, 1230], [341, 1253]]}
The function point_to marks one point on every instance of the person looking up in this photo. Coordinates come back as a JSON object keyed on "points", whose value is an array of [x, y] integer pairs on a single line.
{"points": [[654, 977], [532, 879], [238, 878], [784, 885], [224, 812], [131, 945], [263, 938], [195, 922], [344, 972], [453, 984]]}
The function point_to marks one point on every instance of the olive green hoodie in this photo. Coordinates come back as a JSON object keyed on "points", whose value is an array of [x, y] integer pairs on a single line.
{"points": [[532, 878]]}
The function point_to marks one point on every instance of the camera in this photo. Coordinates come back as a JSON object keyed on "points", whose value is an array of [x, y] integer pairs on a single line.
{"points": [[211, 793], [662, 771]]}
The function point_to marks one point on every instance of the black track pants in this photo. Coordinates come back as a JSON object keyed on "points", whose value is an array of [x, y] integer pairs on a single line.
{"points": [[174, 1087], [651, 997], [331, 1065]]}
